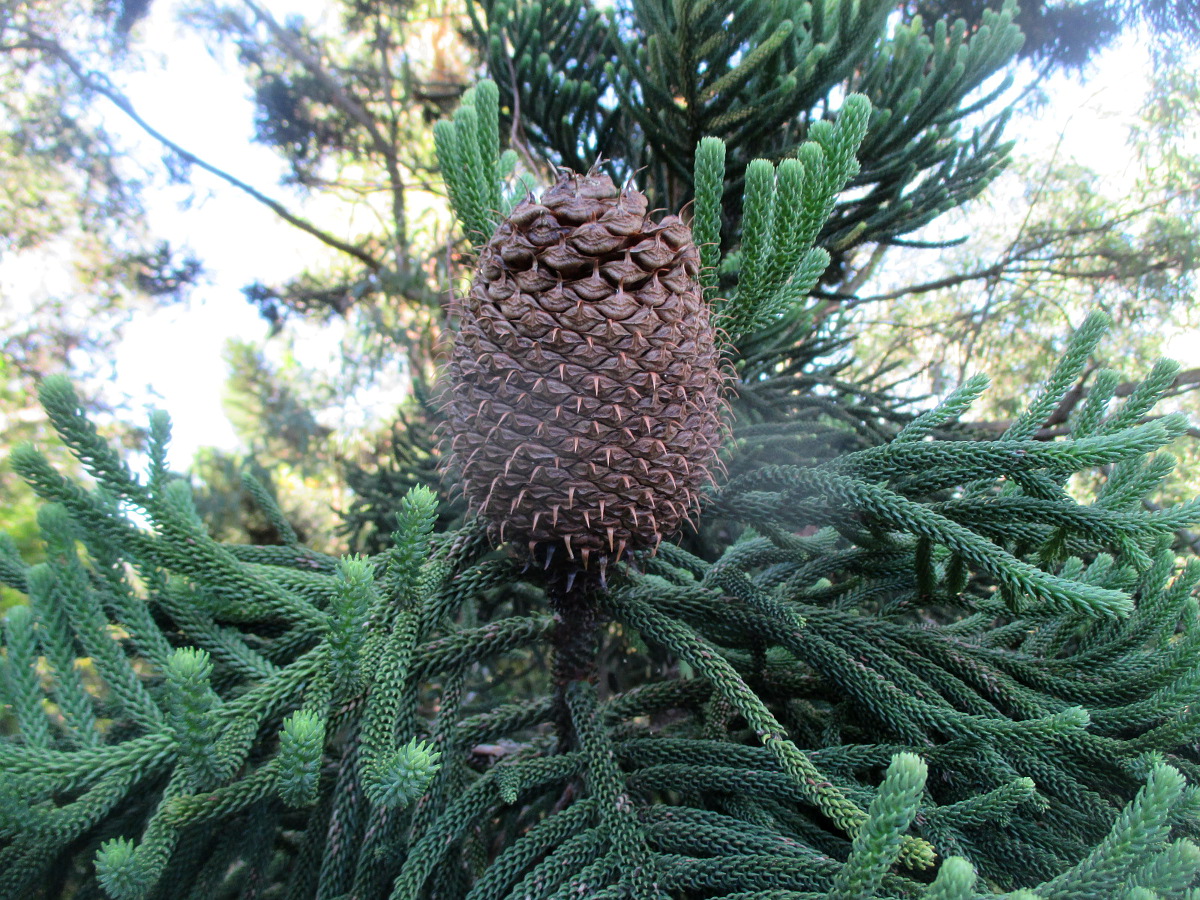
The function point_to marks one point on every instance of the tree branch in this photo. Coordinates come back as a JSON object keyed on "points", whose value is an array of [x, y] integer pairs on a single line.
{"points": [[356, 111], [848, 300], [98, 83]]}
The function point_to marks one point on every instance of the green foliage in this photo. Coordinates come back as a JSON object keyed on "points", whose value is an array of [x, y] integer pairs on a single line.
{"points": [[782, 216], [115, 869], [706, 222], [468, 148], [758, 76], [301, 744], [191, 704], [21, 683], [955, 881], [416, 518], [893, 668], [1020, 663], [403, 776], [877, 843], [347, 628]]}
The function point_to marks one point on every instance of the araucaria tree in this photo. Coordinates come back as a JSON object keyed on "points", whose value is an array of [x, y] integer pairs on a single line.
{"points": [[884, 664]]}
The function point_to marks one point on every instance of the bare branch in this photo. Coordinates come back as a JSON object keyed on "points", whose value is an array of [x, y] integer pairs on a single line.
{"points": [[849, 301], [95, 82]]}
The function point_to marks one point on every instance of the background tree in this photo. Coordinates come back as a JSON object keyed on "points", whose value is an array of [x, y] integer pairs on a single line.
{"points": [[1069, 35]]}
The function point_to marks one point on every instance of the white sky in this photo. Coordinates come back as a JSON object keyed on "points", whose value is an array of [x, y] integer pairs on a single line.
{"points": [[173, 358]]}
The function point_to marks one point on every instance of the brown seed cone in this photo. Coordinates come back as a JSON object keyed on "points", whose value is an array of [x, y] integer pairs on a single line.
{"points": [[584, 395]]}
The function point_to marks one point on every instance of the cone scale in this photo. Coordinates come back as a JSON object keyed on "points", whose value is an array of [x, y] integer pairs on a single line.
{"points": [[584, 393]]}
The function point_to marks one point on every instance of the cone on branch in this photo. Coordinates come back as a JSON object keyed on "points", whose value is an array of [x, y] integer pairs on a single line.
{"points": [[584, 396]]}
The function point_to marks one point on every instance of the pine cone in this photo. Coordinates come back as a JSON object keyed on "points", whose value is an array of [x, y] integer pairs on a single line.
{"points": [[585, 390]]}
